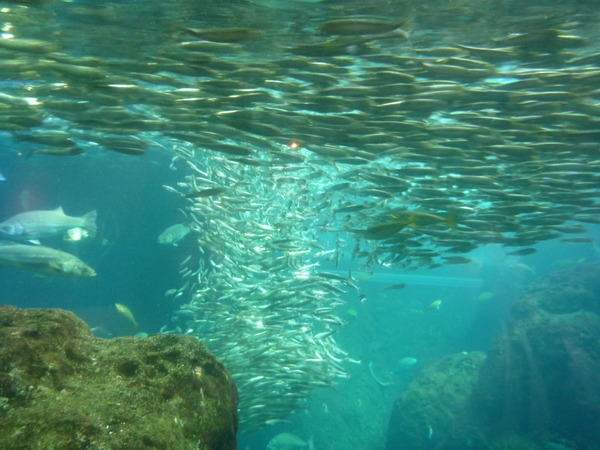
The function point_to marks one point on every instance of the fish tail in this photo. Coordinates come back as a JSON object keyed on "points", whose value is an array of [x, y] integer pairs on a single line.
{"points": [[408, 26], [451, 220], [89, 222]]}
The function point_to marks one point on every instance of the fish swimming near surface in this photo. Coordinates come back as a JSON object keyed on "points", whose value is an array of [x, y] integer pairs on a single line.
{"points": [[43, 260], [174, 234], [352, 26], [56, 151], [225, 34], [40, 224], [522, 252]]}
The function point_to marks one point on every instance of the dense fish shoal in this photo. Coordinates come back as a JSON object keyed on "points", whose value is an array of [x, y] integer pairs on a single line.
{"points": [[412, 133]]}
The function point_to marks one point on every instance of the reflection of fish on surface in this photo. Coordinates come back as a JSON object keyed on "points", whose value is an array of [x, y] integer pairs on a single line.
{"points": [[43, 260], [46, 223], [287, 441], [173, 234]]}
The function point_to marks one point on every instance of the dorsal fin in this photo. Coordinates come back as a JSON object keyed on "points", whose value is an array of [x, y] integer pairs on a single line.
{"points": [[59, 210]]}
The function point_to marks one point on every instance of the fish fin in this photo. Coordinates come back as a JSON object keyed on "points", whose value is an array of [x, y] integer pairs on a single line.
{"points": [[451, 219], [34, 241], [59, 210], [89, 222], [405, 29]]}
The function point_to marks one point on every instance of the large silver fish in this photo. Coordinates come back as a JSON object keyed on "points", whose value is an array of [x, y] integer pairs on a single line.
{"points": [[43, 260], [47, 223]]}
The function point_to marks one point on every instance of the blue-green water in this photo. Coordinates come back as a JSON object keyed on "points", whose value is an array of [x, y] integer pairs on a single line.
{"points": [[451, 122]]}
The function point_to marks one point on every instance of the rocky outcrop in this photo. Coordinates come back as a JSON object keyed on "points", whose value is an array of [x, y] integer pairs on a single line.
{"points": [[63, 388], [542, 379], [538, 388], [426, 412]]}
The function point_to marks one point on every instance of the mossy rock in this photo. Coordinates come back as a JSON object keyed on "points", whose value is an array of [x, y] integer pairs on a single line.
{"points": [[63, 388], [541, 381], [426, 413]]}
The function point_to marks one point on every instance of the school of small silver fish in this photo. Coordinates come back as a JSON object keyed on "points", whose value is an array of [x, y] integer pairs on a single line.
{"points": [[404, 135]]}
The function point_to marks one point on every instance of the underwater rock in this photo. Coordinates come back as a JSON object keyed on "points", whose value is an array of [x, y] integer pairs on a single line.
{"points": [[427, 410], [62, 387], [538, 388], [542, 379]]}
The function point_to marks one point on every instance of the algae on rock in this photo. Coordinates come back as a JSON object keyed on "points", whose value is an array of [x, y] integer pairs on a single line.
{"points": [[537, 388], [62, 387]]}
